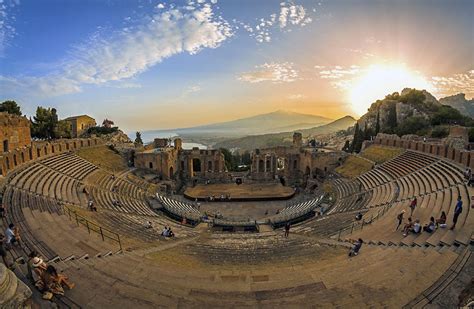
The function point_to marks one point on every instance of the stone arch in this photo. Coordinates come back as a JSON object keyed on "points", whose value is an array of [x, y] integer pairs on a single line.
{"points": [[216, 166], [209, 166], [295, 164], [15, 162], [31, 153], [38, 152], [171, 172], [5, 146], [7, 163], [150, 165], [45, 150], [260, 165], [196, 165], [267, 165], [22, 155], [307, 171]]}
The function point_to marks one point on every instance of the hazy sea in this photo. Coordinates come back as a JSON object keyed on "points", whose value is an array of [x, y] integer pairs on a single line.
{"points": [[148, 137]]}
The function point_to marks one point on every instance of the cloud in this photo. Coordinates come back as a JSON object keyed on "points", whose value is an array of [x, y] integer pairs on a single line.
{"points": [[7, 20], [295, 97], [290, 14], [129, 53], [455, 83], [271, 72], [338, 72], [192, 89]]}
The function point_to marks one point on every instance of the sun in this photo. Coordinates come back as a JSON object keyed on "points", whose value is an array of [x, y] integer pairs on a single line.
{"points": [[380, 80]]}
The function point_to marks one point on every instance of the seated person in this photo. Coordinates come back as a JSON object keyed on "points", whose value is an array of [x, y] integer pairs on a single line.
{"points": [[10, 235], [358, 217], [430, 227], [170, 232], [355, 249], [408, 226], [148, 225], [416, 227], [441, 222]]}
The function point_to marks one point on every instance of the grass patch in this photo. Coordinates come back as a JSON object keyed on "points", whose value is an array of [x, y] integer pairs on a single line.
{"points": [[353, 167], [381, 154], [103, 157]]}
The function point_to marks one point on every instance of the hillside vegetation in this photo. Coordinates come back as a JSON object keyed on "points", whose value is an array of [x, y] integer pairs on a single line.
{"points": [[380, 154], [103, 157], [284, 139], [354, 166]]}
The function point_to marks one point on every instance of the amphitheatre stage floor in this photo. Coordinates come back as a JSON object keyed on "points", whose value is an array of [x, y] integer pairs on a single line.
{"points": [[243, 192]]}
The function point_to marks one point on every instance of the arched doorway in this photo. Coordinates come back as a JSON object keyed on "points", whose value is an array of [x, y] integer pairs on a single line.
{"points": [[171, 172], [260, 166], [196, 165], [209, 166], [307, 171], [5, 145]]}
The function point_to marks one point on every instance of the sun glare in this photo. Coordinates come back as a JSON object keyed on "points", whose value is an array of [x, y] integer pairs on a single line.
{"points": [[380, 80]]}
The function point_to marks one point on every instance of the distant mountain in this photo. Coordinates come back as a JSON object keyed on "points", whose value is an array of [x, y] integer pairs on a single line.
{"points": [[284, 138], [274, 122], [459, 102]]}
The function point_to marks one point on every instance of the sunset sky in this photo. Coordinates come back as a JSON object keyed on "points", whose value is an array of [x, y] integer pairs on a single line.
{"points": [[160, 64]]}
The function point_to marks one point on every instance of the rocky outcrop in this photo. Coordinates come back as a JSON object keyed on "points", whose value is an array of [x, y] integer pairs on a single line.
{"points": [[459, 102]]}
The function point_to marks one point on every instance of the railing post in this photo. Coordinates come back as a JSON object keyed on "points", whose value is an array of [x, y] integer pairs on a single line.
{"points": [[101, 233]]}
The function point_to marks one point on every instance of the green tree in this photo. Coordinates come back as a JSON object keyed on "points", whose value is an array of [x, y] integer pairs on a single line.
{"points": [[10, 107], [62, 129], [471, 135], [412, 125], [44, 123], [229, 159], [356, 144], [138, 139], [392, 117]]}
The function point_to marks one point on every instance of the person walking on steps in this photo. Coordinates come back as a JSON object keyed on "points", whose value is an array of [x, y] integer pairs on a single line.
{"points": [[400, 219], [457, 212], [413, 206], [287, 229]]}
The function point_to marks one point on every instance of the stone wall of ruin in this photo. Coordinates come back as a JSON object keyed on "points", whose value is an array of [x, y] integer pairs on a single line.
{"points": [[14, 131], [460, 156], [41, 149]]}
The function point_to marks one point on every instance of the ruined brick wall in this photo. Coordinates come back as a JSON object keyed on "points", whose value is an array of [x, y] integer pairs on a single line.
{"points": [[14, 132], [461, 156], [41, 149]]}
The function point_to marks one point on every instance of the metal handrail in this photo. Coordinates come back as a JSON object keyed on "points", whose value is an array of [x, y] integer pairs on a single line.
{"points": [[91, 226]]}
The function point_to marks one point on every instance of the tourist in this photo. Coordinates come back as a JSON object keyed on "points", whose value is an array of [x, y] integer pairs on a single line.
{"points": [[10, 234], [413, 206], [400, 219], [416, 227], [287, 229], [358, 217], [467, 173], [470, 182], [430, 227], [29, 264], [165, 232], [170, 232], [16, 231], [38, 267], [441, 222], [148, 225], [408, 226], [55, 280], [91, 205], [356, 248], [457, 212]]}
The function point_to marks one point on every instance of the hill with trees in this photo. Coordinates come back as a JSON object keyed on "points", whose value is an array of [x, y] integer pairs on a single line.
{"points": [[409, 112]]}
